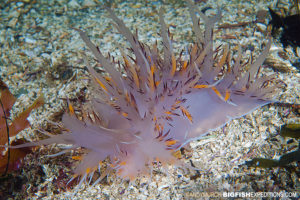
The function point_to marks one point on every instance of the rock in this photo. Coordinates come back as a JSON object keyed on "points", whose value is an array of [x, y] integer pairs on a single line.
{"points": [[73, 4], [88, 3]]}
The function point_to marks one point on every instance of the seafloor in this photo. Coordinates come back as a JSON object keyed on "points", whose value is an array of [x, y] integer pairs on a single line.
{"points": [[41, 54]]}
